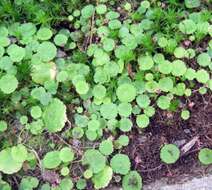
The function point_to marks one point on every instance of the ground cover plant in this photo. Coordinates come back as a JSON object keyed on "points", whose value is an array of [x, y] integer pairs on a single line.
{"points": [[89, 90]]}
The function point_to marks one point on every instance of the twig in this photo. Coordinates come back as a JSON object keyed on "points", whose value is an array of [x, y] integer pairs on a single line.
{"points": [[92, 26], [189, 145], [62, 140], [152, 169], [37, 156], [15, 180], [69, 123]]}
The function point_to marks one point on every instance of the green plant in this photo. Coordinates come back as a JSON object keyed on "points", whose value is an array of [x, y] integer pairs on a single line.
{"points": [[142, 121], [36, 112], [106, 147], [29, 183], [120, 164], [66, 184], [3, 126], [187, 26], [205, 156], [126, 92], [185, 114], [81, 184], [64, 171], [4, 185], [52, 160], [132, 181], [103, 178], [204, 59], [11, 159], [169, 153], [8, 88], [66, 154], [192, 3], [95, 160], [74, 75], [55, 120], [163, 102]]}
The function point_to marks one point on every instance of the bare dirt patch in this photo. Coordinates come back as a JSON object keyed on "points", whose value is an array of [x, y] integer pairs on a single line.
{"points": [[165, 127]]}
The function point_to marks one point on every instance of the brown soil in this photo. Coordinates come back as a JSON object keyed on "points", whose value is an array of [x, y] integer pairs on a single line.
{"points": [[165, 127]]}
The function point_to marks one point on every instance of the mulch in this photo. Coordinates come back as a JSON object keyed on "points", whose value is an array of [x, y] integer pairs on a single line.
{"points": [[167, 127]]}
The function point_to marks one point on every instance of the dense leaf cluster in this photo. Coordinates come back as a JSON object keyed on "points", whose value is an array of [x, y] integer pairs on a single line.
{"points": [[70, 95]]}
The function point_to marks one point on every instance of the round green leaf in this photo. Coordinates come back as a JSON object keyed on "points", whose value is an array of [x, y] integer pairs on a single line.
{"points": [[185, 114], [143, 101], [3, 31], [93, 125], [142, 121], [43, 72], [112, 15], [8, 83], [126, 92], [60, 40], [51, 160], [64, 171], [132, 181], [27, 29], [202, 76], [19, 153], [169, 153], [99, 91], [66, 154], [109, 110], [180, 52], [190, 74], [54, 115], [124, 109], [103, 178], [187, 26], [106, 147], [120, 164], [7, 163], [125, 124], [203, 59], [94, 159], [192, 3], [87, 11], [47, 51], [101, 9], [62, 76], [149, 111], [81, 184], [205, 156], [44, 33], [162, 42], [145, 62], [163, 102], [130, 41], [91, 135], [4, 41], [114, 24], [16, 53], [178, 68], [66, 184], [36, 112], [166, 84], [108, 44], [165, 67], [3, 126], [82, 87]]}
